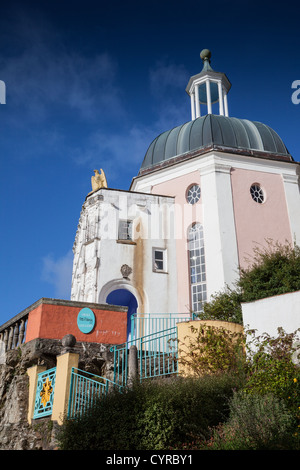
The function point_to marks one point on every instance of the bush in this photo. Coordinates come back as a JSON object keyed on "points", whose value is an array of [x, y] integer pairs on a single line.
{"points": [[256, 422], [151, 416], [224, 306], [265, 412], [272, 366], [212, 350], [274, 270]]}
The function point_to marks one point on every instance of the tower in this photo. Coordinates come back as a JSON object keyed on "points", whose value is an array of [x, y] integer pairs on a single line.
{"points": [[207, 193], [235, 178]]}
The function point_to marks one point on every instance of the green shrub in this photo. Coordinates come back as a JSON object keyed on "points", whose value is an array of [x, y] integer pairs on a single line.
{"points": [[256, 422], [211, 350], [265, 413], [273, 270], [272, 366], [151, 416], [224, 306]]}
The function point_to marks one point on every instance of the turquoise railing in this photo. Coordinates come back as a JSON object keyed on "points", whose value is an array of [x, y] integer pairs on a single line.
{"points": [[147, 323], [44, 393], [85, 390], [156, 354]]}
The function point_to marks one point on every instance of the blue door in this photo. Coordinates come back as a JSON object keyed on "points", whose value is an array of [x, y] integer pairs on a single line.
{"points": [[123, 297]]}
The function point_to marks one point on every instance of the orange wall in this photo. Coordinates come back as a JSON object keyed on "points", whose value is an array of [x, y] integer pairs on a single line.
{"points": [[55, 321]]}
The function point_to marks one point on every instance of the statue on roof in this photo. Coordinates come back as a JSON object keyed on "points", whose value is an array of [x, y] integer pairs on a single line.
{"points": [[98, 181]]}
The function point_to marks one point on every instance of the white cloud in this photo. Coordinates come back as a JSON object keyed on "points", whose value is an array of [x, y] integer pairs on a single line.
{"points": [[167, 77], [41, 76], [119, 152], [42, 71], [167, 83], [58, 272], [119, 148]]}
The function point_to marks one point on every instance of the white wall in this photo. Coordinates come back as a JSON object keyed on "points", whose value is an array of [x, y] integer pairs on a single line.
{"points": [[99, 255], [267, 315]]}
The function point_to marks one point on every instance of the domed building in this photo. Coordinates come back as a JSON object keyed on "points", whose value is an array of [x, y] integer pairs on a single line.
{"points": [[207, 193]]}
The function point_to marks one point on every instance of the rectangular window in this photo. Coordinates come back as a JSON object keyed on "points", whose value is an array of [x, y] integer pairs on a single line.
{"points": [[159, 260], [125, 230]]}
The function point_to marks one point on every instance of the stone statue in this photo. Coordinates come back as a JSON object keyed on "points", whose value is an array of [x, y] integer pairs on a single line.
{"points": [[98, 181]]}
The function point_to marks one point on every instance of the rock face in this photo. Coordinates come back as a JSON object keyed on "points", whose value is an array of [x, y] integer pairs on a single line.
{"points": [[15, 432]]}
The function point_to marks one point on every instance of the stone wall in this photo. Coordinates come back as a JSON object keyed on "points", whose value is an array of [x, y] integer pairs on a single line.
{"points": [[15, 432]]}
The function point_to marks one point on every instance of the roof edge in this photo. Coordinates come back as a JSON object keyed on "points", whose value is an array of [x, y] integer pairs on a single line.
{"points": [[202, 151]]}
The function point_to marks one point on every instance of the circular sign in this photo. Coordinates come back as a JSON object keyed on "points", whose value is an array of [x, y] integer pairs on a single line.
{"points": [[86, 320]]}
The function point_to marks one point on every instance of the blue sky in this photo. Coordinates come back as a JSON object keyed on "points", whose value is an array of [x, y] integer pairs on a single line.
{"points": [[91, 84]]}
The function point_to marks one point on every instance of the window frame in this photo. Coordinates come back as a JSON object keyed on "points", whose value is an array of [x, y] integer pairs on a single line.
{"points": [[197, 268], [127, 234], [163, 260], [258, 199], [192, 202]]}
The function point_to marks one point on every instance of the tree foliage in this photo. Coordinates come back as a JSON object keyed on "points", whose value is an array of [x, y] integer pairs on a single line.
{"points": [[274, 270], [224, 306]]}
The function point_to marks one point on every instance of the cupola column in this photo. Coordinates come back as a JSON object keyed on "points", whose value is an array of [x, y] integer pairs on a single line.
{"points": [[221, 105], [197, 101], [226, 104], [193, 105], [208, 97]]}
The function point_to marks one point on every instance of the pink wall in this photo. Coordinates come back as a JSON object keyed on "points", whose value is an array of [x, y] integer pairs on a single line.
{"points": [[186, 214], [257, 222]]}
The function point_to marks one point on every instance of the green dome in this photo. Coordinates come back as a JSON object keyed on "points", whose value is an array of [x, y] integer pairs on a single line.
{"points": [[214, 130]]}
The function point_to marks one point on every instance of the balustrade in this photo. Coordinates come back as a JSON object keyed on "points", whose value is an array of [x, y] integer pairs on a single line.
{"points": [[12, 333]]}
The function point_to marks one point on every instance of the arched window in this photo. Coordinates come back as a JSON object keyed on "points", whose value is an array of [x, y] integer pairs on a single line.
{"points": [[197, 267]]}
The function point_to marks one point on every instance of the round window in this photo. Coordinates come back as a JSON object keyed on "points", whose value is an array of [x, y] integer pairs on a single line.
{"points": [[193, 194], [257, 193]]}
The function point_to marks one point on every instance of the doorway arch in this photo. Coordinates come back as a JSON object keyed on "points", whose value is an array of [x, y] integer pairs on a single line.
{"points": [[123, 297]]}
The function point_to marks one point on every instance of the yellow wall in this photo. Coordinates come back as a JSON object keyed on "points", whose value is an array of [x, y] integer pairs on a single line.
{"points": [[185, 336], [65, 362], [33, 377]]}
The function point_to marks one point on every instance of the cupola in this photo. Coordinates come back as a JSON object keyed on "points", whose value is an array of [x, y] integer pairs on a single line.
{"points": [[208, 87]]}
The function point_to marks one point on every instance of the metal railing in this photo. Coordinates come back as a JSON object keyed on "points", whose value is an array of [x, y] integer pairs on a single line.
{"points": [[44, 393], [85, 389], [156, 355], [143, 324]]}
